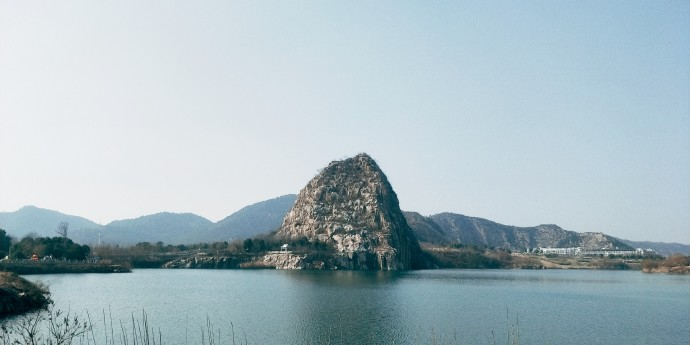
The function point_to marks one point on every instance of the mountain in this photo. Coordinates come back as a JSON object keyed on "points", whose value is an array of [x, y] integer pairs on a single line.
{"points": [[262, 217], [42, 222], [188, 228], [426, 229], [170, 228], [266, 216], [665, 249], [478, 231], [351, 206]]}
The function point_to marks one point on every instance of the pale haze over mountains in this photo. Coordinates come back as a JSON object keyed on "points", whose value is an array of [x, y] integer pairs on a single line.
{"points": [[266, 216]]}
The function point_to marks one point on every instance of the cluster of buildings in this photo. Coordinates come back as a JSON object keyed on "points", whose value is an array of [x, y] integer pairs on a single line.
{"points": [[579, 251]]}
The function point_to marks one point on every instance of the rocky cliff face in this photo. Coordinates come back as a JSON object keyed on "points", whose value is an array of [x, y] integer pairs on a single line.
{"points": [[351, 206], [208, 262], [477, 231], [283, 261]]}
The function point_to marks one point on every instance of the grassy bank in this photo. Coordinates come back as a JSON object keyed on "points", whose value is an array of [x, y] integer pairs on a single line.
{"points": [[18, 295]]}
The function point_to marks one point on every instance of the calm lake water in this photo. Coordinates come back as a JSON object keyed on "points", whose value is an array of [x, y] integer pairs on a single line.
{"points": [[418, 307]]}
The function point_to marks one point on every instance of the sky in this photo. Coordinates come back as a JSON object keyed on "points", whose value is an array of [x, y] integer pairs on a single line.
{"points": [[575, 113]]}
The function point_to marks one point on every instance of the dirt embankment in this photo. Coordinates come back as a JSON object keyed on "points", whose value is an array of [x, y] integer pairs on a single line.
{"points": [[18, 295], [666, 269], [25, 267]]}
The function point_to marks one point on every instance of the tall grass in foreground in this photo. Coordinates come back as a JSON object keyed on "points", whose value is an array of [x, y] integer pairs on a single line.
{"points": [[50, 327]]}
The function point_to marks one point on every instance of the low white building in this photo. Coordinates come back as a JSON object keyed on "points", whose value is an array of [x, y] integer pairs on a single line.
{"points": [[578, 251], [561, 251]]}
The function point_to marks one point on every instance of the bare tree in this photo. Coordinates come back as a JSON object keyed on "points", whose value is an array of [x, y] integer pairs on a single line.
{"points": [[62, 229]]}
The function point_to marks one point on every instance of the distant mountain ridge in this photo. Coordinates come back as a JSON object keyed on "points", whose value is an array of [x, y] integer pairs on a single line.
{"points": [[451, 228], [262, 217], [42, 222], [457, 228], [665, 249], [266, 216], [166, 227]]}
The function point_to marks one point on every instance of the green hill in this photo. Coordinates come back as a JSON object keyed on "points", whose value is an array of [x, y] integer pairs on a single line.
{"points": [[40, 221], [255, 219]]}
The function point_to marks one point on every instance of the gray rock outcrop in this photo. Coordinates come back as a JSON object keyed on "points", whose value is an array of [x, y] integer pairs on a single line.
{"points": [[283, 261], [209, 262], [352, 207]]}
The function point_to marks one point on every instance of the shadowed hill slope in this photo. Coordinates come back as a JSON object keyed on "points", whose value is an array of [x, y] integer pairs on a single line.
{"points": [[260, 218]]}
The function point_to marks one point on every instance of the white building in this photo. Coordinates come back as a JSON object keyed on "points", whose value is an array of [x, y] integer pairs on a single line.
{"points": [[578, 251]]}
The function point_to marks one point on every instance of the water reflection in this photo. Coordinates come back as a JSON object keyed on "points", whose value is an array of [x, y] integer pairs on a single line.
{"points": [[344, 307], [501, 277], [346, 278], [351, 307]]}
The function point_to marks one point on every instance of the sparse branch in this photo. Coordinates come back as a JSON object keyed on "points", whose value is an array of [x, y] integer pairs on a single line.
{"points": [[62, 229]]}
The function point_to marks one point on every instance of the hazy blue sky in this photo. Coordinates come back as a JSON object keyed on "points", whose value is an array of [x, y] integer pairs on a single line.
{"points": [[575, 113]]}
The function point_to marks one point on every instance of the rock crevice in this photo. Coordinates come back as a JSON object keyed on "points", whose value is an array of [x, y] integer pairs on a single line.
{"points": [[352, 206]]}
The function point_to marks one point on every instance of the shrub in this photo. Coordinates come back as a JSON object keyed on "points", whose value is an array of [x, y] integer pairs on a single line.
{"points": [[676, 260]]}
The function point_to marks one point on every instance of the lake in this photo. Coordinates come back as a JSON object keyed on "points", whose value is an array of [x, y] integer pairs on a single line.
{"points": [[415, 307]]}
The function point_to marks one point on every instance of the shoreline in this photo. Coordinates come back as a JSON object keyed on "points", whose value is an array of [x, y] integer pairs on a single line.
{"points": [[55, 267], [292, 261], [18, 295]]}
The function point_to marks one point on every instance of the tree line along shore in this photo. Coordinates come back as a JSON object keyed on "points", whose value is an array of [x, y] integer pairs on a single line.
{"points": [[45, 255]]}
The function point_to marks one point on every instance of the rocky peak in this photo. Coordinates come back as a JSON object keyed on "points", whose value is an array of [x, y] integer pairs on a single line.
{"points": [[352, 206]]}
